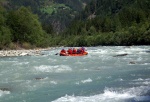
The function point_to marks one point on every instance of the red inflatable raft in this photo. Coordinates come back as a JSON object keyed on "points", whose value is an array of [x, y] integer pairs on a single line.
{"points": [[66, 54]]}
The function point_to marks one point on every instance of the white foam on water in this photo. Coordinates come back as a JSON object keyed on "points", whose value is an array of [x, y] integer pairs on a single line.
{"points": [[52, 60], [109, 95], [109, 77], [9, 61], [4, 93], [53, 82], [141, 81], [21, 63], [55, 69], [130, 50], [100, 51], [134, 49], [98, 78], [89, 80], [32, 85], [119, 79]]}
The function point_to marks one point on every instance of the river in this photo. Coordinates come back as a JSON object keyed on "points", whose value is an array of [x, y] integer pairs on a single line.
{"points": [[106, 74]]}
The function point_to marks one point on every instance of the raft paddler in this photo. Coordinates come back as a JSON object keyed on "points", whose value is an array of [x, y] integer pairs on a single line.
{"points": [[63, 51], [74, 51], [69, 51]]}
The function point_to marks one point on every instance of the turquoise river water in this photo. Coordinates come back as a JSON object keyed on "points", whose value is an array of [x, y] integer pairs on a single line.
{"points": [[101, 76]]}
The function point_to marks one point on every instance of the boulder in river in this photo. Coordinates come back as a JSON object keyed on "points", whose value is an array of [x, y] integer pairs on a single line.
{"points": [[39, 78], [5, 89], [132, 62], [120, 55]]}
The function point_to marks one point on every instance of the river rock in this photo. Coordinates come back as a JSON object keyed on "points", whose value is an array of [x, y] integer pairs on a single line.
{"points": [[5, 89], [39, 78], [132, 62], [120, 55], [147, 51]]}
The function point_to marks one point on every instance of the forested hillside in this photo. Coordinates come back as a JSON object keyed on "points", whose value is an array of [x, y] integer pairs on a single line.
{"points": [[21, 28], [52, 13], [34, 23], [43, 23], [111, 22]]}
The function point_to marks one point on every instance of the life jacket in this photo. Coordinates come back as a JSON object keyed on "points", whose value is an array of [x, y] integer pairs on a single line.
{"points": [[74, 51], [63, 51], [83, 49], [69, 51], [78, 51]]}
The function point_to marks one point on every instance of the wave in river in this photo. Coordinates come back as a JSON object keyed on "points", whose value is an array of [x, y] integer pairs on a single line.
{"points": [[111, 95], [84, 81], [4, 92], [54, 69]]}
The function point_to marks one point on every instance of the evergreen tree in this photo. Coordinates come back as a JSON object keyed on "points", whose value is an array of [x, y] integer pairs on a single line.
{"points": [[5, 34], [25, 26]]}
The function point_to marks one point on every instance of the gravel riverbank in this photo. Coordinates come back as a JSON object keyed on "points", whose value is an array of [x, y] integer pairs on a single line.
{"points": [[9, 53]]}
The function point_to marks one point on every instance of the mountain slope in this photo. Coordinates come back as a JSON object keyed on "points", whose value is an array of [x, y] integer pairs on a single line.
{"points": [[58, 13], [111, 7], [115, 22]]}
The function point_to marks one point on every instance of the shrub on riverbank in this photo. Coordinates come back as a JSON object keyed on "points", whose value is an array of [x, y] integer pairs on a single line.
{"points": [[19, 26]]}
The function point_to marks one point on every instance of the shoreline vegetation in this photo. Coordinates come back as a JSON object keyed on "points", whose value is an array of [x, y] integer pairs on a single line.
{"points": [[125, 23]]}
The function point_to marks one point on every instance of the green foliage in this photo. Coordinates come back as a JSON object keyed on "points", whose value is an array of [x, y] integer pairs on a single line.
{"points": [[26, 45], [2, 18], [5, 34], [58, 13], [26, 27], [103, 22], [22, 28], [54, 8], [12, 46], [116, 23], [5, 37]]}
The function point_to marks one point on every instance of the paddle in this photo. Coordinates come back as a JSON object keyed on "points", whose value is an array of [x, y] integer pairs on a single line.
{"points": [[57, 54]]}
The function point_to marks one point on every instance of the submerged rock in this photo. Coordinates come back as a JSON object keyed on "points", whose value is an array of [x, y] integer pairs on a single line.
{"points": [[120, 55], [39, 78], [147, 51], [132, 62], [5, 89]]}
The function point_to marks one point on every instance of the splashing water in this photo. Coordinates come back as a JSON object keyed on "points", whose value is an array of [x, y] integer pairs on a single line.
{"points": [[104, 75]]}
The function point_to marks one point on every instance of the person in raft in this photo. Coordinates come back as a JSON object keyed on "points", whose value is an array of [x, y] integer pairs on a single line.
{"points": [[63, 51], [69, 51], [82, 49], [74, 51], [78, 51]]}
